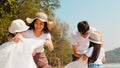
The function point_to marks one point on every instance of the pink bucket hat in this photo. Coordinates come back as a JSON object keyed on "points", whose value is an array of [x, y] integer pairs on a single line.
{"points": [[95, 38], [43, 17]]}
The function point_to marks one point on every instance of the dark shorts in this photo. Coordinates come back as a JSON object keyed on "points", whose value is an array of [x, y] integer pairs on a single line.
{"points": [[41, 60], [74, 58]]}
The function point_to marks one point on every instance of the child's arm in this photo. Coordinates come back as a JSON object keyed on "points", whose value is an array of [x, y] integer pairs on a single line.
{"points": [[104, 58]]}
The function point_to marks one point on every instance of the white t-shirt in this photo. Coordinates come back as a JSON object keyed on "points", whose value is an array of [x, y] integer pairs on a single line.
{"points": [[81, 43], [44, 36]]}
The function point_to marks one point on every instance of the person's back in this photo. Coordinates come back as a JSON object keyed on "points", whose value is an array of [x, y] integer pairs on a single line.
{"points": [[5, 50], [19, 55], [98, 55], [99, 62]]}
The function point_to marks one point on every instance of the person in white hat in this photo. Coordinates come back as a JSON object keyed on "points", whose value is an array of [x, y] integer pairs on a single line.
{"points": [[94, 52], [98, 55], [39, 28], [19, 55]]}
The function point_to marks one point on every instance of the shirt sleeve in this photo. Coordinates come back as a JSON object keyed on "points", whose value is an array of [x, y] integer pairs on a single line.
{"points": [[73, 39], [103, 52]]}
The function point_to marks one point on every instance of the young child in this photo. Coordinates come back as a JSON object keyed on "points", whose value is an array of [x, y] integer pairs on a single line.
{"points": [[98, 55], [18, 55]]}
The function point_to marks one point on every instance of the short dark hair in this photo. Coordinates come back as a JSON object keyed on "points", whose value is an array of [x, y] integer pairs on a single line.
{"points": [[45, 29], [83, 27]]}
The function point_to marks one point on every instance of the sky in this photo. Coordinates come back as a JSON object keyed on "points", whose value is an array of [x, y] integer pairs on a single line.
{"points": [[104, 15]]}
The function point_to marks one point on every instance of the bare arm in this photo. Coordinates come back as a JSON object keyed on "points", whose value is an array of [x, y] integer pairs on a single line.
{"points": [[49, 44], [103, 59], [76, 53]]}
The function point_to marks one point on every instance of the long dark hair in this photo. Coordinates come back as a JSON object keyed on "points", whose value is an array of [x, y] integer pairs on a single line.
{"points": [[95, 53], [45, 29]]}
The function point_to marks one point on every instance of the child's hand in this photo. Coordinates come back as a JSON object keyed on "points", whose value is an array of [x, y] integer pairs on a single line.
{"points": [[84, 57]]}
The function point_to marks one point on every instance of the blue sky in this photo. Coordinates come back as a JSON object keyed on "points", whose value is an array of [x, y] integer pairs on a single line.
{"points": [[104, 15]]}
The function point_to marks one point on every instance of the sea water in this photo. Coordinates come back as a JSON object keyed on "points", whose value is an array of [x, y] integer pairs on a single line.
{"points": [[111, 65]]}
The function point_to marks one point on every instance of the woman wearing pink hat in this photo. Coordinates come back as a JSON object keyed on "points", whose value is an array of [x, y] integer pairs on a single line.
{"points": [[39, 28]]}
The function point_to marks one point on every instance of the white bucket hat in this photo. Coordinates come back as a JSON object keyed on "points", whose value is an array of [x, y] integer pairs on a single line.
{"points": [[95, 38], [18, 25], [43, 17]]}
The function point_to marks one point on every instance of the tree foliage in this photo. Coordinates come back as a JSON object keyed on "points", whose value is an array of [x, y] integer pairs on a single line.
{"points": [[62, 49], [6, 12], [14, 9]]}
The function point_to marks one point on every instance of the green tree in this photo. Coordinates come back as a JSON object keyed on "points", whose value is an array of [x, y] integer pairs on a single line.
{"points": [[61, 54], [6, 12], [30, 7], [13, 9]]}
